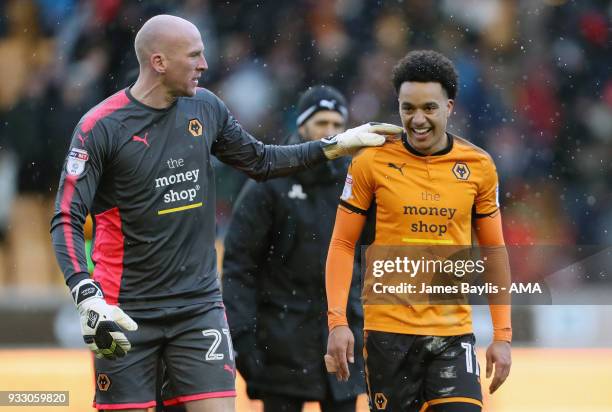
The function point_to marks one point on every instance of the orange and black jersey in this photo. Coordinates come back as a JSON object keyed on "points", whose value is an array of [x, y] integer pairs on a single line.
{"points": [[420, 200], [423, 199]]}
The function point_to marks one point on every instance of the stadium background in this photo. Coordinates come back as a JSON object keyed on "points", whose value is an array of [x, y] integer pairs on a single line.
{"points": [[536, 92]]}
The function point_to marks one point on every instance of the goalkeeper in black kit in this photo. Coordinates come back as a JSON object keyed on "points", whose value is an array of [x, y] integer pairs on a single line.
{"points": [[140, 163]]}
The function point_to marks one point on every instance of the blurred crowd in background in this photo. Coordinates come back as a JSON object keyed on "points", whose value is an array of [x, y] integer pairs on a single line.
{"points": [[535, 91]]}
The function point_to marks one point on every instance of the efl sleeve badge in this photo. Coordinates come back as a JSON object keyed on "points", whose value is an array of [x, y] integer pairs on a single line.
{"points": [[76, 161]]}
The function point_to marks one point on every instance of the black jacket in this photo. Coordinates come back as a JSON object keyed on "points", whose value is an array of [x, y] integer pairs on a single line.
{"points": [[274, 285]]}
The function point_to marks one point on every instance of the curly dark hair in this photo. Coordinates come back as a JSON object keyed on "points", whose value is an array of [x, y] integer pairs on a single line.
{"points": [[426, 66]]}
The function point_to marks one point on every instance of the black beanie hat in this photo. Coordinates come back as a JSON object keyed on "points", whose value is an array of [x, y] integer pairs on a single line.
{"points": [[318, 98]]}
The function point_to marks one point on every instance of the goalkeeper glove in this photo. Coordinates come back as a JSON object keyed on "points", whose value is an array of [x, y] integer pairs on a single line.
{"points": [[351, 140], [101, 322]]}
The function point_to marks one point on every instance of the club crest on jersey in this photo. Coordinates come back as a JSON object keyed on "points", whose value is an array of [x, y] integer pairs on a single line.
{"points": [[380, 401], [195, 127], [461, 171], [76, 161], [347, 192]]}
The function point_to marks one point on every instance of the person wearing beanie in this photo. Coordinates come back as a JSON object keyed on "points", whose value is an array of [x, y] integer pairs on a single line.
{"points": [[273, 275], [317, 99]]}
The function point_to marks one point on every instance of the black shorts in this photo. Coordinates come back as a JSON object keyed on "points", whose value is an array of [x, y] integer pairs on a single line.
{"points": [[193, 342], [411, 372]]}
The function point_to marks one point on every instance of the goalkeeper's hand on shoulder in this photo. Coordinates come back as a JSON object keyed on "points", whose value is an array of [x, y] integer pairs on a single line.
{"points": [[350, 141]]}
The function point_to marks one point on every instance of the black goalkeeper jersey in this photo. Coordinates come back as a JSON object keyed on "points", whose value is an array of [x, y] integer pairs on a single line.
{"points": [[145, 175]]}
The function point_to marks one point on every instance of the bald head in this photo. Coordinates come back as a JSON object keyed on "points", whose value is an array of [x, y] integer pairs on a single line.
{"points": [[163, 34], [171, 57]]}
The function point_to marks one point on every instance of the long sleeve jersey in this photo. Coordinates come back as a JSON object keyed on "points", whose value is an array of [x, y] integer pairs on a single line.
{"points": [[145, 175], [455, 191]]}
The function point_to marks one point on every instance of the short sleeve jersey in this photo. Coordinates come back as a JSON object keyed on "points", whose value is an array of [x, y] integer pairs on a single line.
{"points": [[422, 200]]}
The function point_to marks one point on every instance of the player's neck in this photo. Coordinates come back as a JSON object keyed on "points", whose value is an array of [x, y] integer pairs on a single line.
{"points": [[439, 146], [152, 94]]}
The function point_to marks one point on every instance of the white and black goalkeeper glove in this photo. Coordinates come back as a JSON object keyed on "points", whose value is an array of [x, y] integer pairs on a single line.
{"points": [[101, 323], [350, 141]]}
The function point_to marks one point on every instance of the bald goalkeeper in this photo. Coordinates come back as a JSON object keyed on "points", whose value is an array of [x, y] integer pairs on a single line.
{"points": [[140, 163]]}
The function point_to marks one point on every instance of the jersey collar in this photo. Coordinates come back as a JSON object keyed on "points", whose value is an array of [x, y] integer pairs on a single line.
{"points": [[412, 150], [128, 92]]}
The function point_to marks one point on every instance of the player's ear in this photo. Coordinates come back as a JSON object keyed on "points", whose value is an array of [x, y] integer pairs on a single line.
{"points": [[158, 62], [449, 106]]}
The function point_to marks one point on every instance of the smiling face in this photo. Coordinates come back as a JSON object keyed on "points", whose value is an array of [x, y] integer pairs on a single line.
{"points": [[424, 109]]}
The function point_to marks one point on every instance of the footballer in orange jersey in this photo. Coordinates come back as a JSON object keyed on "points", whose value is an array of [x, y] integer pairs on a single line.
{"points": [[429, 188]]}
